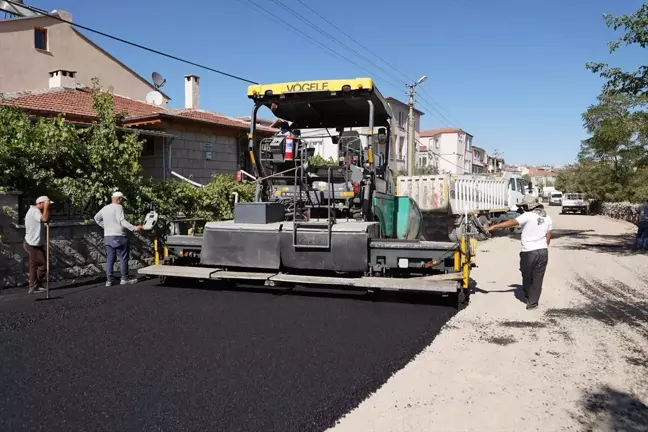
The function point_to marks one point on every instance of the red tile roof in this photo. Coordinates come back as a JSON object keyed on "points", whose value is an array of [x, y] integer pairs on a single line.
{"points": [[79, 103], [541, 172], [439, 131]]}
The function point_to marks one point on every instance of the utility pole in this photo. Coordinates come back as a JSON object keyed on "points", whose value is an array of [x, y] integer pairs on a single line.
{"points": [[411, 134]]}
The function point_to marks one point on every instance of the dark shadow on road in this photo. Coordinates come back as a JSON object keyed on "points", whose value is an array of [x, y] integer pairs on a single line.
{"points": [[614, 410], [516, 289], [611, 303], [615, 244], [519, 292]]}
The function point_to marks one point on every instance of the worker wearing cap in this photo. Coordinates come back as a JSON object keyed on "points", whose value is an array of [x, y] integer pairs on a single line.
{"points": [[35, 241], [111, 218], [536, 235]]}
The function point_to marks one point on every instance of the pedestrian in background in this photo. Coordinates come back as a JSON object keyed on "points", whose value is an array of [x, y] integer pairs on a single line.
{"points": [[534, 255], [36, 216], [111, 218], [641, 242]]}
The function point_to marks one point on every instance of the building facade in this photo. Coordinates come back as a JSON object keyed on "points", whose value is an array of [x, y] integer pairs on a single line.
{"points": [[39, 45], [452, 147], [188, 141]]}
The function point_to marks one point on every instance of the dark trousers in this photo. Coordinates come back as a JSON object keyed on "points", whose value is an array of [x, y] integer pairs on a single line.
{"points": [[36, 264], [533, 265], [116, 246], [641, 241]]}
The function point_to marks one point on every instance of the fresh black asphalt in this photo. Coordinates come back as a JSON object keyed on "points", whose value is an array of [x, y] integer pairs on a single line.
{"points": [[147, 357]]}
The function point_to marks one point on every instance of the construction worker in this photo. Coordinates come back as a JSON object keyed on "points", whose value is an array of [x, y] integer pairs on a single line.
{"points": [[35, 241], [111, 218], [536, 235], [641, 242]]}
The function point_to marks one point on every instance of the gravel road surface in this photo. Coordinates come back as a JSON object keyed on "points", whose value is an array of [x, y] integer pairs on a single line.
{"points": [[154, 358], [577, 363]]}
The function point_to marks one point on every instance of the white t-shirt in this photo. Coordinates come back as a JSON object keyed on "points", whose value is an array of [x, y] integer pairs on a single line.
{"points": [[534, 230], [34, 227]]}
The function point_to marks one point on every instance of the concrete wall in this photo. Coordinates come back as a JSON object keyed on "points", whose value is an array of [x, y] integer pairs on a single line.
{"points": [[26, 68], [77, 250]]}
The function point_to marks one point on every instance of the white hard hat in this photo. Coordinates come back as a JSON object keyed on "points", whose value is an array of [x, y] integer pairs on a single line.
{"points": [[118, 195], [42, 199]]}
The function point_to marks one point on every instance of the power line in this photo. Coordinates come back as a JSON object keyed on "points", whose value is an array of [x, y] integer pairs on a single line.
{"points": [[427, 95], [134, 44], [328, 35], [354, 40], [318, 43]]}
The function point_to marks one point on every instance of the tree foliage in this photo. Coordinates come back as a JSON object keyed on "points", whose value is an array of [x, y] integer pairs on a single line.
{"points": [[635, 32], [613, 161], [84, 165]]}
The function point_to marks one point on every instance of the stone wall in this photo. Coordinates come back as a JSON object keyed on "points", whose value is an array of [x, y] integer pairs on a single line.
{"points": [[196, 151], [76, 248], [623, 211]]}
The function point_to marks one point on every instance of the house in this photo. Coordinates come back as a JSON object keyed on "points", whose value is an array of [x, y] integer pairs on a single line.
{"points": [[495, 164], [400, 132], [32, 47], [188, 141], [452, 146], [541, 177], [480, 161]]}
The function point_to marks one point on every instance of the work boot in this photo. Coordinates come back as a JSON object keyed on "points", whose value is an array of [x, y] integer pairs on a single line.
{"points": [[38, 289], [128, 281]]}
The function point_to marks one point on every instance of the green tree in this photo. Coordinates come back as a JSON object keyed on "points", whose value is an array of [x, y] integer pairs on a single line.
{"points": [[85, 165], [635, 32]]}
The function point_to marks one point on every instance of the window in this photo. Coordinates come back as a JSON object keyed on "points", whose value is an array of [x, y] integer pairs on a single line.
{"points": [[148, 148], [401, 119], [401, 148], [436, 142], [40, 38], [520, 185]]}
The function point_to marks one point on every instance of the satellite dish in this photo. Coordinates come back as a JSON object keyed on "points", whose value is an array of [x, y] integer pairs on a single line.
{"points": [[154, 97], [158, 80]]}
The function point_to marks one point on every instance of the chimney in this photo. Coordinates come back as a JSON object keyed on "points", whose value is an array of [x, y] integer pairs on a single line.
{"points": [[62, 78], [191, 91]]}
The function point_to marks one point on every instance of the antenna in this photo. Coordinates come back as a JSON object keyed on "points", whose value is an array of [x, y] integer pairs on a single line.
{"points": [[154, 98], [158, 80]]}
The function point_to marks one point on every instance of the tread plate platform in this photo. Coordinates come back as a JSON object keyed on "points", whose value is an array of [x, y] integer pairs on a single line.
{"points": [[271, 278]]}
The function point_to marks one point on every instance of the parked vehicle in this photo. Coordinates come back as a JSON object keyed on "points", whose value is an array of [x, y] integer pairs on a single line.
{"points": [[447, 200], [546, 192], [555, 199], [575, 203]]}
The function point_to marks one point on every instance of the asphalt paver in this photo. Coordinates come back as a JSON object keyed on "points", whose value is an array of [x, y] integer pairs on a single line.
{"points": [[148, 357]]}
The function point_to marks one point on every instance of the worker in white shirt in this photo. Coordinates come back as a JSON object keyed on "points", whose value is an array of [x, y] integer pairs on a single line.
{"points": [[34, 242], [111, 219], [536, 235]]}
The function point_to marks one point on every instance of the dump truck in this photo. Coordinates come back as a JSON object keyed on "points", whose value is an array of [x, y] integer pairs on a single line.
{"points": [[451, 203], [338, 227]]}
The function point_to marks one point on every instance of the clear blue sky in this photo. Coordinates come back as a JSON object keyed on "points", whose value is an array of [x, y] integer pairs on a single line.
{"points": [[510, 72]]}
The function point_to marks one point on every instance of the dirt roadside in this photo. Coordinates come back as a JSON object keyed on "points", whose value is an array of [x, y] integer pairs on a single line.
{"points": [[578, 362]]}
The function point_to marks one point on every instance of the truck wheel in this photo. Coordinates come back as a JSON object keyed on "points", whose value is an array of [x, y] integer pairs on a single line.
{"points": [[456, 233], [485, 223]]}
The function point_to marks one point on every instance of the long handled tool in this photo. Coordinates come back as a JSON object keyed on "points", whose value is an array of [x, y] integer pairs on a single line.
{"points": [[47, 272]]}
